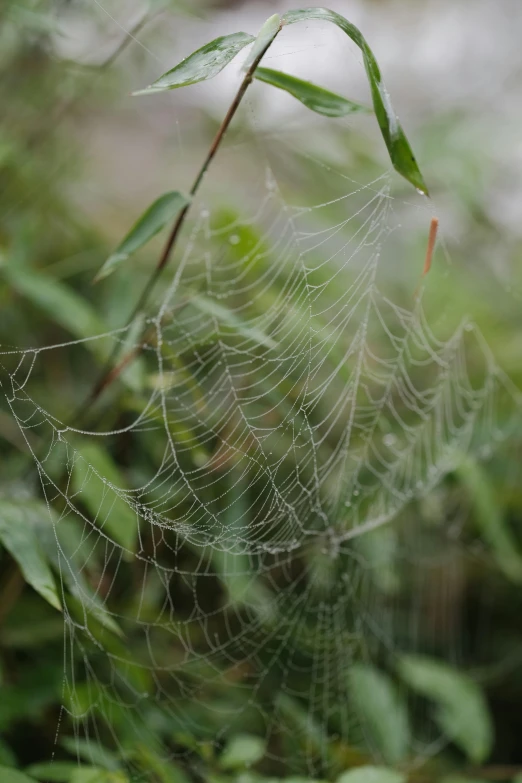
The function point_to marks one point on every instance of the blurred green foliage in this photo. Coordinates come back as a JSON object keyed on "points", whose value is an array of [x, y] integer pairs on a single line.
{"points": [[466, 583]]}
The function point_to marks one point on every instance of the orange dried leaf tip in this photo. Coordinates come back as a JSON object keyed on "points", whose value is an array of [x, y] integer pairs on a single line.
{"points": [[434, 227]]}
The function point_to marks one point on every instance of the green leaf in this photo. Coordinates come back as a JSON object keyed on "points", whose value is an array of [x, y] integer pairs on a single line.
{"points": [[264, 38], [395, 139], [488, 516], [53, 772], [97, 483], [8, 775], [69, 561], [313, 97], [161, 212], [461, 712], [243, 750], [382, 711], [63, 305], [94, 775], [203, 64], [371, 774], [92, 752], [19, 538], [7, 757], [61, 541]]}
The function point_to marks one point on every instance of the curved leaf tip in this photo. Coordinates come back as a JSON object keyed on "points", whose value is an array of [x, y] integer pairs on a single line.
{"points": [[398, 146]]}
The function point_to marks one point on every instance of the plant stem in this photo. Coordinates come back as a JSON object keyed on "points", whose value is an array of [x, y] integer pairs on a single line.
{"points": [[108, 376]]}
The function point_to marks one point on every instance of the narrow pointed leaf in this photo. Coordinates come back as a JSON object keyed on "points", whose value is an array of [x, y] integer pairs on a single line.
{"points": [[313, 97], [264, 38], [395, 139], [161, 212], [203, 64], [19, 538], [461, 709]]}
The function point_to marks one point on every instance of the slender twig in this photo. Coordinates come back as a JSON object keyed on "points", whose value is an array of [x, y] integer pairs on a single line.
{"points": [[107, 376]]}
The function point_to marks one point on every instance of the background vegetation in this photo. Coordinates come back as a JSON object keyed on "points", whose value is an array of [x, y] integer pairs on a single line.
{"points": [[79, 160]]}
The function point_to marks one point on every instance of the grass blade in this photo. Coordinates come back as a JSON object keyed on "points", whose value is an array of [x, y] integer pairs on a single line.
{"points": [[313, 97], [161, 212]]}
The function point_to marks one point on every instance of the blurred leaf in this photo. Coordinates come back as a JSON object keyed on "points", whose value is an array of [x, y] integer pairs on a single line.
{"points": [[465, 779], [53, 771], [62, 545], [161, 212], [313, 97], [59, 302], [203, 64], [462, 712], [234, 565], [8, 775], [134, 373], [382, 711], [263, 40], [93, 775], [398, 146], [243, 750], [371, 774], [96, 481], [230, 319], [157, 768], [94, 753], [379, 550], [7, 757], [19, 538], [70, 561], [489, 517]]}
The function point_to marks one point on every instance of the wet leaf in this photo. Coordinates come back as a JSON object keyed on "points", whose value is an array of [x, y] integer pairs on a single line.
{"points": [[461, 709], [161, 212], [395, 139], [203, 64], [313, 97], [19, 538], [382, 711]]}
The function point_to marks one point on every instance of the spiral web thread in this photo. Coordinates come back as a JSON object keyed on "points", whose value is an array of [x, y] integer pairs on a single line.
{"points": [[295, 415]]}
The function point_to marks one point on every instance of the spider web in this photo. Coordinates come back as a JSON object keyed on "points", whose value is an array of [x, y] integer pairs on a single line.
{"points": [[285, 420]]}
